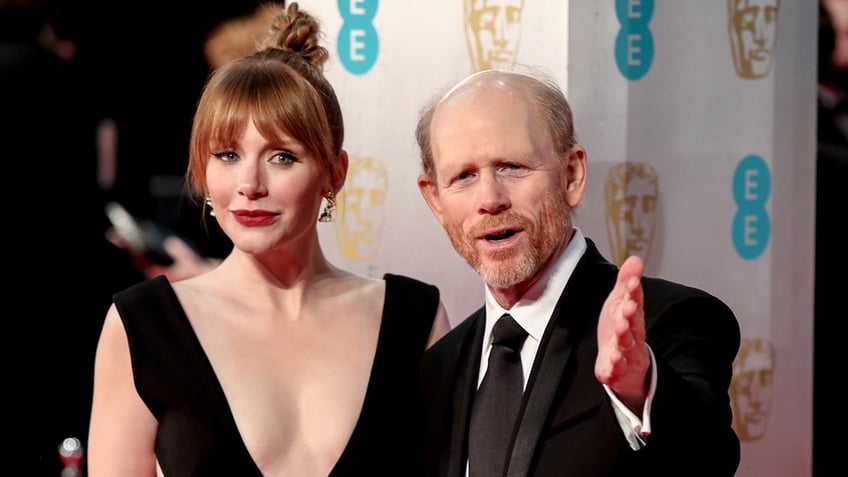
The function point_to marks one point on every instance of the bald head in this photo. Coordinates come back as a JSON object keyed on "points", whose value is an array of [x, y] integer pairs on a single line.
{"points": [[505, 81], [539, 96]]}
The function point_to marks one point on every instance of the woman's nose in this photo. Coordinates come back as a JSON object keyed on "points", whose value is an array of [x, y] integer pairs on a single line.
{"points": [[251, 183]]}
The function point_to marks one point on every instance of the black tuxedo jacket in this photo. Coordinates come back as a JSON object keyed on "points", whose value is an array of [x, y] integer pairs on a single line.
{"points": [[566, 424]]}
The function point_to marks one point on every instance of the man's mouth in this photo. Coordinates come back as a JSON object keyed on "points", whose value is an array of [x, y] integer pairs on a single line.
{"points": [[500, 235]]}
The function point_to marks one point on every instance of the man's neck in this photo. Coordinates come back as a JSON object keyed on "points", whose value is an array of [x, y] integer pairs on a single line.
{"points": [[509, 296]]}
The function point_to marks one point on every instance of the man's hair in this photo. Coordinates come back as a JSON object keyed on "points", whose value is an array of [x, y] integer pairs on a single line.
{"points": [[541, 90]]}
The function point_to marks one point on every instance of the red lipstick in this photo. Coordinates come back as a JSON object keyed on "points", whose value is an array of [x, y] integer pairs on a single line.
{"points": [[254, 218]]}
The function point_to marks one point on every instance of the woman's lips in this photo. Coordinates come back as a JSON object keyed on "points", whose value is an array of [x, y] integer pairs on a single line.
{"points": [[254, 218]]}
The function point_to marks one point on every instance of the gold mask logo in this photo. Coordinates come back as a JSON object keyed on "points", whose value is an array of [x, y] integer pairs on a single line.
{"points": [[752, 25], [361, 209], [492, 32], [752, 388], [631, 195]]}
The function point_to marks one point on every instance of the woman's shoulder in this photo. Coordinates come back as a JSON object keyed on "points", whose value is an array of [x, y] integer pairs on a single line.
{"points": [[355, 287], [143, 289], [404, 288], [408, 280]]}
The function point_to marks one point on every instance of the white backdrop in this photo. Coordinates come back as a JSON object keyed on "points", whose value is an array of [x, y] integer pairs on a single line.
{"points": [[740, 228]]}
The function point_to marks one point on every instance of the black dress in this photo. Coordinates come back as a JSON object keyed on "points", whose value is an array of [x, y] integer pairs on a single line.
{"points": [[197, 433]]}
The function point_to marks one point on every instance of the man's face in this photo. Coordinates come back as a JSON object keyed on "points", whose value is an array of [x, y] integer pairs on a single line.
{"points": [[493, 31], [751, 391], [500, 189], [753, 29], [361, 209], [631, 210]]}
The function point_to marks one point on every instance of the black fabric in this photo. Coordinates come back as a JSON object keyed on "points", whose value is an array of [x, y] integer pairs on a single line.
{"points": [[497, 401], [197, 433], [567, 425]]}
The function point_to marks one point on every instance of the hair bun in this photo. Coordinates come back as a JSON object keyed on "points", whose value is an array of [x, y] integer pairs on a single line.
{"points": [[298, 32]]}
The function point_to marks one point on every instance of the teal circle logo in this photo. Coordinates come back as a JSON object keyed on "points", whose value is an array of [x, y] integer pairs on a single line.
{"points": [[634, 43], [358, 42], [751, 223]]}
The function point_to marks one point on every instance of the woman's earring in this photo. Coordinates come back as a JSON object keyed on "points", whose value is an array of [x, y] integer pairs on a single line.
{"points": [[329, 212], [209, 204]]}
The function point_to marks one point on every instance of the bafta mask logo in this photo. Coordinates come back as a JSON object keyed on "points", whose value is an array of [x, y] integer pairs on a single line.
{"points": [[492, 32], [631, 196], [752, 25], [751, 388], [361, 205]]}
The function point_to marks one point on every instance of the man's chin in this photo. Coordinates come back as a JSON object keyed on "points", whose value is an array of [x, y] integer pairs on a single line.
{"points": [[496, 280], [505, 274]]}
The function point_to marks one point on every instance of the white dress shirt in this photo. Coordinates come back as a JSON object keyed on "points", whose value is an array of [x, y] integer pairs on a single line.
{"points": [[533, 312]]}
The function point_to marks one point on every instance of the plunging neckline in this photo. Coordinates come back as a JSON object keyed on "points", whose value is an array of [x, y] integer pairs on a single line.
{"points": [[209, 370]]}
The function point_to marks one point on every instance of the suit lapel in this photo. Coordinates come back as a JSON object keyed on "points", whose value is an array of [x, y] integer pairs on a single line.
{"points": [[541, 386], [468, 368], [582, 293]]}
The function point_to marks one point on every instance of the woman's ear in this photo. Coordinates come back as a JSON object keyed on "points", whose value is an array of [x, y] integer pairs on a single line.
{"points": [[340, 171]]}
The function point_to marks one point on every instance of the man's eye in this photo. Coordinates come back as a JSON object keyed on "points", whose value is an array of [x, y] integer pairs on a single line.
{"points": [[511, 168]]}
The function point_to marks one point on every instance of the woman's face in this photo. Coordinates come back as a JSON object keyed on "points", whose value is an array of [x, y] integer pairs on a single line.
{"points": [[265, 195]]}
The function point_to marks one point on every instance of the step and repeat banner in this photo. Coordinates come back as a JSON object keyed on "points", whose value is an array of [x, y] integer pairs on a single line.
{"points": [[699, 122]]}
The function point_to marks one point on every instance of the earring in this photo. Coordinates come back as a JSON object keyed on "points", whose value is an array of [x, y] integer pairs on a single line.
{"points": [[209, 204], [329, 212]]}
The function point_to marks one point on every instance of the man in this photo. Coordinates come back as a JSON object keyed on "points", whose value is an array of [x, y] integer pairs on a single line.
{"points": [[622, 374]]}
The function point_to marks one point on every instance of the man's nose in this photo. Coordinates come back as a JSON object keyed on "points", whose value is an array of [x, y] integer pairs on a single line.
{"points": [[493, 194]]}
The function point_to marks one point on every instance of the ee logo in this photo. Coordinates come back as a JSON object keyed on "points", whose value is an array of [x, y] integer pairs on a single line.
{"points": [[751, 190], [358, 43], [634, 43]]}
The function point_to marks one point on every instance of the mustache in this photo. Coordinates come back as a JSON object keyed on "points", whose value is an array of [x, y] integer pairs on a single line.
{"points": [[505, 220]]}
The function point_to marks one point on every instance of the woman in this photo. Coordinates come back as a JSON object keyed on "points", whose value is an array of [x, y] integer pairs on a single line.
{"points": [[275, 362]]}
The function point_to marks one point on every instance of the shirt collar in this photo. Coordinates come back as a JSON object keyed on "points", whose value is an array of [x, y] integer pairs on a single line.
{"points": [[534, 310]]}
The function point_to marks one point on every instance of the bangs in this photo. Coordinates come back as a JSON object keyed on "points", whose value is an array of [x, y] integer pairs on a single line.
{"points": [[226, 121], [244, 97], [280, 102], [277, 102]]}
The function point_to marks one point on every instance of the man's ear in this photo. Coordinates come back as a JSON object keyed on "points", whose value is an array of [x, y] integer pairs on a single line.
{"points": [[431, 195], [576, 170]]}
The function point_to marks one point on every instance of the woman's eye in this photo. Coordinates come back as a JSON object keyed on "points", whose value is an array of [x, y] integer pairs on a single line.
{"points": [[284, 158], [226, 156]]}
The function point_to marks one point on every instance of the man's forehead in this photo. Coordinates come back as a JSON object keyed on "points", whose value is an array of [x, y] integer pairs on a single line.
{"points": [[484, 83]]}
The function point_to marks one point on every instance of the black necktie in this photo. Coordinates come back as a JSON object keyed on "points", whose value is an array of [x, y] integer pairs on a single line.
{"points": [[496, 402]]}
